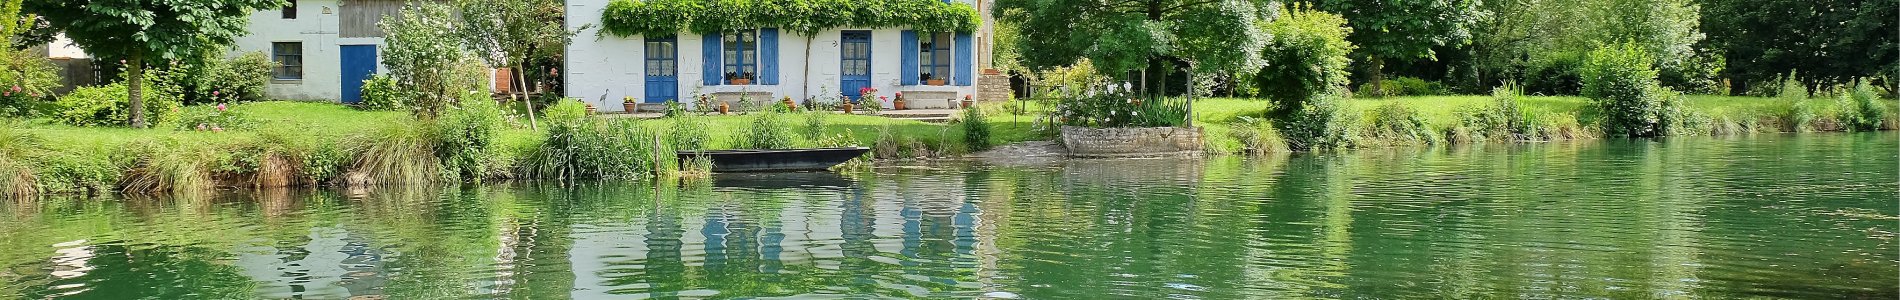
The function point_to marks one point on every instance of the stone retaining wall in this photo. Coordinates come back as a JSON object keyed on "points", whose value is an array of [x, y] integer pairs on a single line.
{"points": [[1125, 142], [992, 88]]}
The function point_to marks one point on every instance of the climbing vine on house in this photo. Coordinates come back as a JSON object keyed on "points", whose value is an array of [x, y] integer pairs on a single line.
{"points": [[665, 17]]}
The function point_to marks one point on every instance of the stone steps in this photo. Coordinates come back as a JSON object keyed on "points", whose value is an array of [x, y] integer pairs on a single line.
{"points": [[921, 115]]}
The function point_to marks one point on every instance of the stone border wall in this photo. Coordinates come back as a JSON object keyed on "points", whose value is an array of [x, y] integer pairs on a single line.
{"points": [[1131, 142]]}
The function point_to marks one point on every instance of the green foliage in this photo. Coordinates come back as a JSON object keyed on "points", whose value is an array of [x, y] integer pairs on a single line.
{"points": [[1216, 36], [1539, 42], [26, 79], [396, 153], [1623, 85], [1404, 86], [1120, 110], [1398, 123], [106, 106], [1407, 29], [1500, 121], [814, 127], [668, 17], [380, 92], [138, 30], [427, 60], [466, 138], [976, 129], [1864, 111], [582, 147], [211, 118], [1306, 60], [1318, 125], [768, 130], [688, 132], [211, 78], [1559, 75], [1255, 135], [1833, 41]]}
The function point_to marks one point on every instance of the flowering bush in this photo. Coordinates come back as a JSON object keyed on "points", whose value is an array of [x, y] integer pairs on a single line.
{"points": [[28, 79], [1120, 110]]}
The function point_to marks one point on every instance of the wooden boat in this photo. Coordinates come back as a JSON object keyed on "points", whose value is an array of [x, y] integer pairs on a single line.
{"points": [[747, 160]]}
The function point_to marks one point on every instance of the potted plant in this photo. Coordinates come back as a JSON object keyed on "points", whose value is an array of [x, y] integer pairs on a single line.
{"points": [[789, 105], [724, 108], [848, 103], [590, 108], [898, 103], [930, 79], [968, 101], [630, 104]]}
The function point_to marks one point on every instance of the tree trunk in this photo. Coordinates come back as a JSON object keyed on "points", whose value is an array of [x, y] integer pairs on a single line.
{"points": [[1378, 76], [133, 87], [806, 88], [523, 91]]}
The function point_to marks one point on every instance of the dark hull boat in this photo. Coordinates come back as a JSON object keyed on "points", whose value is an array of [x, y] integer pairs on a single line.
{"points": [[817, 159]]}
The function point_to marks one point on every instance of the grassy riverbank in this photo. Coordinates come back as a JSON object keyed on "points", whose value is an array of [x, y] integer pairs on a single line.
{"points": [[300, 143]]}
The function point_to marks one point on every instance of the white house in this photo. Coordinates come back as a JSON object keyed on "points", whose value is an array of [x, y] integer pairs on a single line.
{"points": [[324, 49], [603, 69]]}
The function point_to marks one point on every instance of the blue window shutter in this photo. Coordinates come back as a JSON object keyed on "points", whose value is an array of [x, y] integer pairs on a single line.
{"points": [[712, 64], [965, 66], [908, 48], [768, 56]]}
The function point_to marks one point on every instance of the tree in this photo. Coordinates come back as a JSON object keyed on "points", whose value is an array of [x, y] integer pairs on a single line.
{"points": [[1830, 41], [1386, 29], [1149, 35], [137, 30], [427, 59], [511, 33], [1305, 73]]}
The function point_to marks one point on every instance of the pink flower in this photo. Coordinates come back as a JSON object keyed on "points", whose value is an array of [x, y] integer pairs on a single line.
{"points": [[16, 89], [201, 127], [220, 106], [882, 98], [216, 128], [900, 94], [214, 93]]}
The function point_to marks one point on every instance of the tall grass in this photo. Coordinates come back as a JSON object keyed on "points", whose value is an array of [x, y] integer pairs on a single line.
{"points": [[17, 175], [397, 153], [579, 146]]}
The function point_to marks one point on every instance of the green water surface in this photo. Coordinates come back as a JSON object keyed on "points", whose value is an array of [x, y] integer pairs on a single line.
{"points": [[1767, 216]]}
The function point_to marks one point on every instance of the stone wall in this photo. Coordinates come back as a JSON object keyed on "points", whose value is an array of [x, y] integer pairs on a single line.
{"points": [[1125, 142], [992, 88]]}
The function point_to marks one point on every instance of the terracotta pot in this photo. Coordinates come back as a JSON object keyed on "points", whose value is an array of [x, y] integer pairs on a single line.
{"points": [[847, 108], [630, 106], [590, 109], [897, 105], [968, 103], [741, 81], [788, 104], [934, 82], [724, 108]]}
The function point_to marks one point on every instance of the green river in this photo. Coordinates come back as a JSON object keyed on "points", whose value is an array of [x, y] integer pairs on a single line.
{"points": [[1764, 216]]}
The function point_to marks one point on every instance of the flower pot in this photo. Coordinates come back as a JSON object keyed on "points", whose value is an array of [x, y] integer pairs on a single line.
{"points": [[630, 106], [742, 81], [789, 105], [590, 108], [724, 108], [934, 82], [847, 108], [967, 103], [897, 105]]}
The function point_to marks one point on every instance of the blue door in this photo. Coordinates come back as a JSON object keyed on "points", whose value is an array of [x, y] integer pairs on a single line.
{"points": [[855, 65], [662, 70], [359, 62]]}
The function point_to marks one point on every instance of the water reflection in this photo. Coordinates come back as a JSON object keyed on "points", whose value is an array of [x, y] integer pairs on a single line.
{"points": [[1769, 216]]}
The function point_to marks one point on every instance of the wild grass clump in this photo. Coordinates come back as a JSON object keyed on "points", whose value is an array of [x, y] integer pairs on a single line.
{"points": [[814, 127], [1255, 136], [766, 131], [1396, 123], [18, 177], [976, 129], [1318, 125], [168, 164], [583, 147], [397, 153], [1503, 120], [1862, 108], [688, 132]]}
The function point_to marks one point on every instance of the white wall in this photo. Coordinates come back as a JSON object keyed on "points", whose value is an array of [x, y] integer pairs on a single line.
{"points": [[604, 69], [319, 33]]}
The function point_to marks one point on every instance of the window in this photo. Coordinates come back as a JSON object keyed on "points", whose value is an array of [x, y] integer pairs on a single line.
{"points": [[289, 59], [290, 10], [741, 55], [660, 57], [933, 57]]}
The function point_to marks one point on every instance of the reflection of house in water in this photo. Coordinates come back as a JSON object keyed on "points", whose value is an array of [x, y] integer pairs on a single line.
{"points": [[332, 263]]}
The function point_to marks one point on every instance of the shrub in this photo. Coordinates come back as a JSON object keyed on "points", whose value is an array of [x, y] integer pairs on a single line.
{"points": [[1316, 126], [431, 65], [1558, 75], [1404, 86], [213, 78], [1306, 61], [381, 93], [688, 132], [106, 106], [26, 79], [1120, 110], [976, 129], [766, 131], [466, 137], [1864, 111], [1398, 123], [1622, 85], [582, 147], [814, 125]]}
